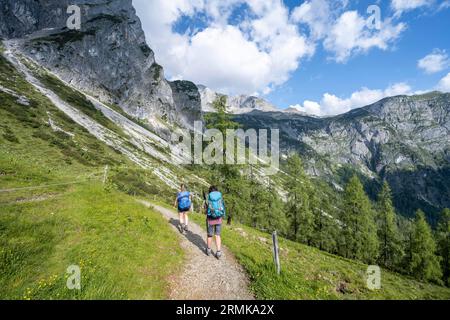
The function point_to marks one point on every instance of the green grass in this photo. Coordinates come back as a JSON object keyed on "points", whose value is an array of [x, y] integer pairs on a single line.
{"points": [[125, 251], [311, 274]]}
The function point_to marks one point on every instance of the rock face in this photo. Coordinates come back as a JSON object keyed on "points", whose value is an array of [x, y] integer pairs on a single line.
{"points": [[187, 99], [403, 139], [107, 58], [235, 104]]}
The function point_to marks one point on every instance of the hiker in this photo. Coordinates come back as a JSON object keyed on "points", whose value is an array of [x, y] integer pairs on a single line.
{"points": [[215, 212], [183, 202]]}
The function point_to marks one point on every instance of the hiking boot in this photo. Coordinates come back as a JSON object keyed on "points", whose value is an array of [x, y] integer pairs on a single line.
{"points": [[181, 227], [218, 254], [186, 229], [208, 252]]}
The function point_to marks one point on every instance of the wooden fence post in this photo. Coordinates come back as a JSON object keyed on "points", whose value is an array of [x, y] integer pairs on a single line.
{"points": [[276, 254]]}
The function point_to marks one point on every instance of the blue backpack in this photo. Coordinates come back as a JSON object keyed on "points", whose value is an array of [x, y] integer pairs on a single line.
{"points": [[216, 207], [184, 201]]}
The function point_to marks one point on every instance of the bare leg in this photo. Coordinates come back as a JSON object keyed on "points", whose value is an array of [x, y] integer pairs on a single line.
{"points": [[181, 217], [186, 218], [209, 242], [218, 243]]}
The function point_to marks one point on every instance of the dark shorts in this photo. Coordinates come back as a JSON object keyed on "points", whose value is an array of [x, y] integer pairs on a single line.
{"points": [[183, 211], [213, 229]]}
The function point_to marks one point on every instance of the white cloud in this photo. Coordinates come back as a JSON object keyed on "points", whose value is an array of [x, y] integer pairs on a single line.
{"points": [[261, 50], [444, 84], [401, 6], [251, 57], [350, 35], [344, 33], [434, 62], [333, 105], [316, 14], [444, 5]]}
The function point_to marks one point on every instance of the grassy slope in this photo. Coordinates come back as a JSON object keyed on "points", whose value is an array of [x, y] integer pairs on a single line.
{"points": [[308, 273], [125, 251]]}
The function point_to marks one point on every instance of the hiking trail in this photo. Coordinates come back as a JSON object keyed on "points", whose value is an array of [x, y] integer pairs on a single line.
{"points": [[203, 277]]}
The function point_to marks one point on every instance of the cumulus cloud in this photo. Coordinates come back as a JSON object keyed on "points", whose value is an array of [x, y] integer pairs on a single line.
{"points": [[253, 46], [251, 57], [434, 62], [344, 33], [400, 6], [331, 104], [350, 35], [317, 15], [444, 84]]}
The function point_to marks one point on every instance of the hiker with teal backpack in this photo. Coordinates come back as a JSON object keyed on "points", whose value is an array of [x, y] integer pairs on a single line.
{"points": [[215, 212], [184, 203]]}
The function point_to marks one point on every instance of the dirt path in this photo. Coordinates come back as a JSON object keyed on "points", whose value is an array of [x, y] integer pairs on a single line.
{"points": [[203, 277]]}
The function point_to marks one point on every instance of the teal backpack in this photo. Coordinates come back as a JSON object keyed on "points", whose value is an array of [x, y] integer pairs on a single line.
{"points": [[216, 207]]}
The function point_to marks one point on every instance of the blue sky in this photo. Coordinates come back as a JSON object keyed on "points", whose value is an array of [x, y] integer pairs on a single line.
{"points": [[318, 56]]}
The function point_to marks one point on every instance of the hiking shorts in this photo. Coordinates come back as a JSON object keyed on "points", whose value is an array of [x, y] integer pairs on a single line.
{"points": [[213, 229]]}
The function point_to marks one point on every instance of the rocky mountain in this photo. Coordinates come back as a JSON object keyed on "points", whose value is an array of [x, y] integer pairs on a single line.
{"points": [[235, 104], [107, 58], [294, 110], [404, 139]]}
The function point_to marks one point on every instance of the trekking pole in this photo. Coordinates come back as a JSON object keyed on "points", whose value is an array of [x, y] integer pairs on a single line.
{"points": [[276, 255]]}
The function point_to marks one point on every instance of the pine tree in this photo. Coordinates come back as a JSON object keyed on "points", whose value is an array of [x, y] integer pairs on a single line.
{"points": [[391, 251], [443, 242], [276, 219], [227, 176], [325, 225], [267, 209], [258, 203], [220, 120], [423, 263], [236, 189], [358, 219], [298, 206]]}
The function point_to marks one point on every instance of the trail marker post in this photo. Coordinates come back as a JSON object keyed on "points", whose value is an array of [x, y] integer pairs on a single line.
{"points": [[276, 253]]}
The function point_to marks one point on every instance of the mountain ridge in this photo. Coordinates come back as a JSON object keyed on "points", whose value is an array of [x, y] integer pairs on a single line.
{"points": [[108, 58], [401, 135]]}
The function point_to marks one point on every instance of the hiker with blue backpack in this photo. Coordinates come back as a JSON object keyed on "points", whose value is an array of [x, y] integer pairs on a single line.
{"points": [[215, 212], [184, 203]]}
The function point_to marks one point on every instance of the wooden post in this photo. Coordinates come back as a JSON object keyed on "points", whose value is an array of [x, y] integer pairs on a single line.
{"points": [[276, 255]]}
